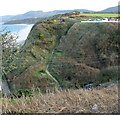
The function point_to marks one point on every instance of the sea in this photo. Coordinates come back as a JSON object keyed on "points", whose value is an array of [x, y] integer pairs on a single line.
{"points": [[20, 30]]}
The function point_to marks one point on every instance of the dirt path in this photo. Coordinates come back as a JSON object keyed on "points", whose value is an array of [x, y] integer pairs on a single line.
{"points": [[50, 59], [47, 66]]}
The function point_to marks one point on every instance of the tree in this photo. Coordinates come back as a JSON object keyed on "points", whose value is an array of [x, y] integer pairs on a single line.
{"points": [[8, 48]]}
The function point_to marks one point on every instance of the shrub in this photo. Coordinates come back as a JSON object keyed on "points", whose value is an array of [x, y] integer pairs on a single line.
{"points": [[49, 21], [24, 92], [41, 36], [51, 30], [107, 75], [115, 37]]}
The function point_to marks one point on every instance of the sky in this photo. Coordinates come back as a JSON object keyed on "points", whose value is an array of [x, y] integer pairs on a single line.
{"points": [[13, 7]]}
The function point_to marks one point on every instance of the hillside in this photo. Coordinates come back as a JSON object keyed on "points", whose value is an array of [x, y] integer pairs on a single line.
{"points": [[32, 15], [35, 54], [25, 21], [85, 50], [64, 66], [81, 16], [74, 54], [115, 9]]}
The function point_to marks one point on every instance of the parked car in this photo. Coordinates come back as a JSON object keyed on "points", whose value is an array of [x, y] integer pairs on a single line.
{"points": [[105, 19]]}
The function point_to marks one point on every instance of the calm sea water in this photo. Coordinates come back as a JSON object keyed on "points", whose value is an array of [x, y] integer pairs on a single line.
{"points": [[21, 30], [13, 27]]}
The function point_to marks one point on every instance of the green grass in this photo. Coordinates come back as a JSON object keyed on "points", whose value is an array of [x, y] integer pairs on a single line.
{"points": [[38, 74], [99, 14], [57, 54]]}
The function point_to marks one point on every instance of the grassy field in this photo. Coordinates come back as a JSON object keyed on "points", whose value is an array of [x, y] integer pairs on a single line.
{"points": [[99, 14], [66, 101]]}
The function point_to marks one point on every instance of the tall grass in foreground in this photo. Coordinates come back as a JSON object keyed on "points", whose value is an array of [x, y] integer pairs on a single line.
{"points": [[67, 101]]}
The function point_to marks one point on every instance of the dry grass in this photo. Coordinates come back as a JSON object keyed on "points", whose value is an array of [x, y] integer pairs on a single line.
{"points": [[70, 101]]}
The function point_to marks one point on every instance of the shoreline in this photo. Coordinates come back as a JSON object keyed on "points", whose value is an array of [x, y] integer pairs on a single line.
{"points": [[23, 33], [20, 30]]}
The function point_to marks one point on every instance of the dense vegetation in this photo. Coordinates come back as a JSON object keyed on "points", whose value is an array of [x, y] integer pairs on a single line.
{"points": [[75, 54], [84, 51], [64, 66]]}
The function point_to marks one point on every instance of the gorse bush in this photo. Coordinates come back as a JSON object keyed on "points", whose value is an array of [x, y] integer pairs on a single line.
{"points": [[41, 36]]}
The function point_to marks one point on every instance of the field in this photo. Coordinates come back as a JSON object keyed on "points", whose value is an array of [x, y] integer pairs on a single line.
{"points": [[107, 15], [66, 101]]}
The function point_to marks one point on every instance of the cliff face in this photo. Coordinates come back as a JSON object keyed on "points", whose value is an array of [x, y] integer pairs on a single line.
{"points": [[79, 52]]}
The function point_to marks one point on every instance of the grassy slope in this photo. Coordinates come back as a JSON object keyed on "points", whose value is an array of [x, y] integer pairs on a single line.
{"points": [[28, 68], [70, 101], [103, 15], [78, 43], [84, 52], [78, 57]]}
